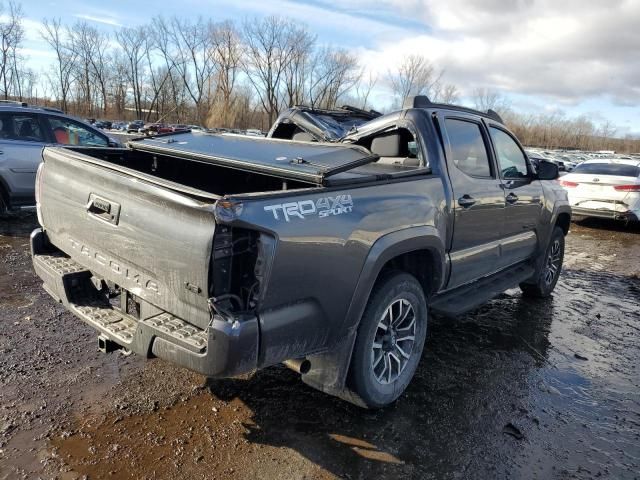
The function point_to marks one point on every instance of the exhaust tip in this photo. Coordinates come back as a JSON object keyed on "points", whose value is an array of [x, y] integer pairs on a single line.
{"points": [[299, 365]]}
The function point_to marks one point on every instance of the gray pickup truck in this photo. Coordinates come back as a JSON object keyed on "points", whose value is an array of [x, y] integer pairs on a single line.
{"points": [[224, 253]]}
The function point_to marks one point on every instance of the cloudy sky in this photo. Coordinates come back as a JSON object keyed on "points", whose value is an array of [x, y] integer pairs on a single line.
{"points": [[576, 56]]}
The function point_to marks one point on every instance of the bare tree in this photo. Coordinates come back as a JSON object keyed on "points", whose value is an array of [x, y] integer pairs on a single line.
{"points": [[416, 75], [363, 89], [118, 82], [11, 37], [55, 36], [296, 72], [487, 99], [335, 72], [446, 93], [90, 47], [269, 44], [188, 48], [134, 44], [227, 55]]}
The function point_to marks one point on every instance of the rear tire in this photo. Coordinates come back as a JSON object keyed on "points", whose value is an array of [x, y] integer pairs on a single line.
{"points": [[390, 340], [4, 208], [545, 281]]}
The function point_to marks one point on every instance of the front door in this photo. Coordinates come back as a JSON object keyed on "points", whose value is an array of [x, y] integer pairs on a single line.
{"points": [[523, 195], [479, 201]]}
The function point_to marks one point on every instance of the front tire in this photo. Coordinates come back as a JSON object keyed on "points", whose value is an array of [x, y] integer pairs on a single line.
{"points": [[390, 340], [546, 279]]}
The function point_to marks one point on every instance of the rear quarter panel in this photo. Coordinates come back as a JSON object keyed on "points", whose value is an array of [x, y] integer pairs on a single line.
{"points": [[318, 259]]}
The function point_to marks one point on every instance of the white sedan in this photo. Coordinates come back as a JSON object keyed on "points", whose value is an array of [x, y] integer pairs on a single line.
{"points": [[606, 188]]}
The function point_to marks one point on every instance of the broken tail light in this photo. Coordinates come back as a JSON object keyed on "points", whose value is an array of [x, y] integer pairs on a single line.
{"points": [[227, 210]]}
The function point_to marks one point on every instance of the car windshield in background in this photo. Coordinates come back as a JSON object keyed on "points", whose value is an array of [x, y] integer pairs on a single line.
{"points": [[618, 169]]}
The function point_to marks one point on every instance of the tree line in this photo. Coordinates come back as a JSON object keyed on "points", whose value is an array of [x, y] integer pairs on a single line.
{"points": [[236, 74]]}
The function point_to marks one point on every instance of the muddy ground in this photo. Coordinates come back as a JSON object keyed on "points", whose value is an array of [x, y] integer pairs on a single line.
{"points": [[517, 389]]}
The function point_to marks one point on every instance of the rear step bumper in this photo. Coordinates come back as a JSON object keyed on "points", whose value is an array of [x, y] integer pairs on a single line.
{"points": [[223, 349]]}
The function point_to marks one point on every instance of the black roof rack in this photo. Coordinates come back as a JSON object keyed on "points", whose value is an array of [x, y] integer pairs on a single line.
{"points": [[17, 103], [14, 103], [422, 101], [48, 109]]}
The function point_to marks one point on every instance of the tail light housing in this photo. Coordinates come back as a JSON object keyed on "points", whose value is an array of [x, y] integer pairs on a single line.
{"points": [[568, 184], [627, 188]]}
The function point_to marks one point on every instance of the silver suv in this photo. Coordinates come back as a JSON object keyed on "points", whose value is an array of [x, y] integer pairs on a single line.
{"points": [[24, 131]]}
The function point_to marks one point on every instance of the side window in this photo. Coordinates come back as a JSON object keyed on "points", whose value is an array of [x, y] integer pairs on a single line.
{"points": [[467, 147], [512, 161], [397, 148], [23, 127], [68, 132]]}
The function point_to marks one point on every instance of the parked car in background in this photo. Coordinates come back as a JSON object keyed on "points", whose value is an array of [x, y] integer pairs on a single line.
{"points": [[135, 126], [154, 128], [179, 126], [24, 130], [103, 124], [254, 132], [606, 188], [196, 128]]}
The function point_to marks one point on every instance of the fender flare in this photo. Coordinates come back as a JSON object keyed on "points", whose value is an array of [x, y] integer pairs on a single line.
{"points": [[560, 209], [386, 248], [329, 370]]}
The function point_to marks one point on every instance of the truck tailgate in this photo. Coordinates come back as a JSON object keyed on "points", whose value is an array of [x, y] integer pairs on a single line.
{"points": [[154, 242]]}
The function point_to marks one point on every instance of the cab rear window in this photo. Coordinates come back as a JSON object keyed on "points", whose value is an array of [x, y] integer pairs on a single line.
{"points": [[618, 169]]}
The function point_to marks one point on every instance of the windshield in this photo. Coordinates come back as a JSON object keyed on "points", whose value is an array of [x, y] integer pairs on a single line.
{"points": [[618, 169]]}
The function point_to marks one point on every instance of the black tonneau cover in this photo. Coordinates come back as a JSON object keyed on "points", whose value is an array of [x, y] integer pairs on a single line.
{"points": [[303, 161]]}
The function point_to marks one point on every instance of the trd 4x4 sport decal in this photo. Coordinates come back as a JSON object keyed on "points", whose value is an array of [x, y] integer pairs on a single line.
{"points": [[322, 207]]}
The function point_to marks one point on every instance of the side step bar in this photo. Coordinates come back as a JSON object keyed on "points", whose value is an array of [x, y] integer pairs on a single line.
{"points": [[467, 297]]}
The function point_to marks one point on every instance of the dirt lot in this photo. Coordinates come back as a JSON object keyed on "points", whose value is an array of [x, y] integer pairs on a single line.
{"points": [[516, 389]]}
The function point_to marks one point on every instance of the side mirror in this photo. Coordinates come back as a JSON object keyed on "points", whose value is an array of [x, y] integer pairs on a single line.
{"points": [[547, 170]]}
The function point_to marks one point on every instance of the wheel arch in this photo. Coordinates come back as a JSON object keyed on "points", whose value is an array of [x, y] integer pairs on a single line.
{"points": [[563, 220], [416, 250]]}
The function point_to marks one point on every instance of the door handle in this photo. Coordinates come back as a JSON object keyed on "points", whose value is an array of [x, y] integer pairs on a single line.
{"points": [[512, 198], [466, 201]]}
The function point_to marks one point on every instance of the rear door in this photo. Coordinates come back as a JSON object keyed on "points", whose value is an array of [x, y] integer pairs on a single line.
{"points": [[479, 200], [65, 131], [21, 140], [523, 195]]}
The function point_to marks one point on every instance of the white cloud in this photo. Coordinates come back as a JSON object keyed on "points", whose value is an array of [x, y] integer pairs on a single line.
{"points": [[563, 51], [104, 20]]}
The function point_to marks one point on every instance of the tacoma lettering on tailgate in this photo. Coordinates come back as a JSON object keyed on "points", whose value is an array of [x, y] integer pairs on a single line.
{"points": [[116, 267]]}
